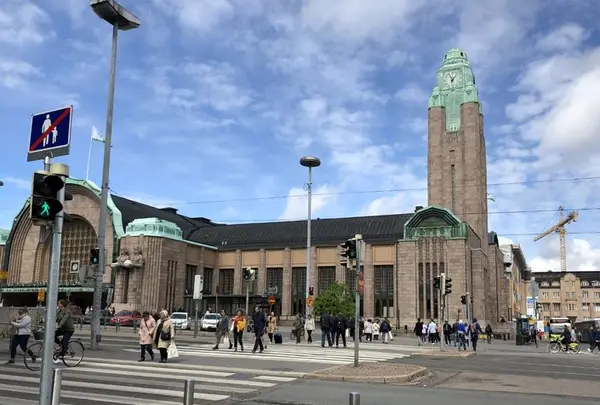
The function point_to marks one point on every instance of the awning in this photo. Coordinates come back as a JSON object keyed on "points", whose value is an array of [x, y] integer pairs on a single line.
{"points": [[35, 289]]}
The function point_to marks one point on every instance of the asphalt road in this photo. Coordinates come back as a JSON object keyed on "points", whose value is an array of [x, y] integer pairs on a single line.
{"points": [[308, 392], [583, 366]]}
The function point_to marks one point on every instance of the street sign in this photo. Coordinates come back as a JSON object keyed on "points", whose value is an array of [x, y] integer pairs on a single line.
{"points": [[309, 301], [272, 300], [272, 290], [50, 134], [74, 268], [41, 296]]}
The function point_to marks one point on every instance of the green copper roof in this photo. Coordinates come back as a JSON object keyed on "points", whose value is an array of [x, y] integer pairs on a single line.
{"points": [[154, 227], [455, 85], [4, 236]]}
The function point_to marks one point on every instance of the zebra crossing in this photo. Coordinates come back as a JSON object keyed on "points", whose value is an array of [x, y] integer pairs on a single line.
{"points": [[123, 382], [301, 353]]}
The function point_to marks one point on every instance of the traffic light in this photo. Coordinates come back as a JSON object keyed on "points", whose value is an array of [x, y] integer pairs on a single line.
{"points": [[348, 249], [448, 286], [44, 196], [95, 256], [249, 274], [436, 282], [463, 299], [311, 290]]}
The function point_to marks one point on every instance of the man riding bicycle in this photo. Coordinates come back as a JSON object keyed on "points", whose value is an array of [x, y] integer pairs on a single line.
{"points": [[64, 328]]}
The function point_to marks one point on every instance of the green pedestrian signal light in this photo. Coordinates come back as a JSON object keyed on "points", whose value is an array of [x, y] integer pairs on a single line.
{"points": [[95, 256], [45, 204]]}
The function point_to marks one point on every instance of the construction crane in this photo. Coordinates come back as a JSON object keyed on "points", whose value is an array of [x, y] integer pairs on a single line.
{"points": [[559, 228]]}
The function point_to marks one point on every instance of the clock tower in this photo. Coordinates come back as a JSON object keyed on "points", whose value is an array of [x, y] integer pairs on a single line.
{"points": [[456, 162]]}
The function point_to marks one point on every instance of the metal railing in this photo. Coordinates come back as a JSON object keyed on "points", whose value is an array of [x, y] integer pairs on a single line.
{"points": [[189, 388]]}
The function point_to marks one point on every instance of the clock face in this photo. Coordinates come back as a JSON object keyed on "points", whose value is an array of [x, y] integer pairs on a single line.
{"points": [[452, 79]]}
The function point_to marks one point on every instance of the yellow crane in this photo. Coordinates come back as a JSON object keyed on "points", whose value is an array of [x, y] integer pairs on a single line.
{"points": [[559, 228]]}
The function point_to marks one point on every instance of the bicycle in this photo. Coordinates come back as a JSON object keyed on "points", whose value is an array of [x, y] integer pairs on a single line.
{"points": [[72, 358], [557, 346]]}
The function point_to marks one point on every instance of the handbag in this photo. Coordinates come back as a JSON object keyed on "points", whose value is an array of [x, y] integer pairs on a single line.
{"points": [[172, 351], [165, 334]]}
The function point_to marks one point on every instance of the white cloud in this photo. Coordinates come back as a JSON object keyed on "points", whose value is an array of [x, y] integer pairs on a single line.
{"points": [[21, 184], [153, 200], [412, 94], [297, 202], [23, 24], [569, 36], [581, 256], [15, 73]]}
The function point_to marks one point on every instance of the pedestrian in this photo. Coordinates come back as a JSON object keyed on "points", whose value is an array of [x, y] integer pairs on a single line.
{"points": [[474, 331], [298, 327], [259, 321], [146, 331], [418, 330], [222, 331], [461, 333], [271, 326], [341, 323], [326, 328], [164, 335], [447, 332], [239, 324], [310, 327], [22, 331]]}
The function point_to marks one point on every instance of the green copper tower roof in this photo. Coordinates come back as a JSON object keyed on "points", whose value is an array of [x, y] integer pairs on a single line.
{"points": [[455, 85]]}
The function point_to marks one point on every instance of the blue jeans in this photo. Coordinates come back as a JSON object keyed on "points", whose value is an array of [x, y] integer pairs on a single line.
{"points": [[326, 334]]}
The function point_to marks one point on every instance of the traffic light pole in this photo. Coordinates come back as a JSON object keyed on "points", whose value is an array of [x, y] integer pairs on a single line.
{"points": [[357, 300], [52, 296], [99, 273], [442, 298]]}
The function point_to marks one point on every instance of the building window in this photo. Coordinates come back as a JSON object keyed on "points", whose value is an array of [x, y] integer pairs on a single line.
{"points": [[171, 286], [597, 307], [226, 277], [585, 283], [555, 294], [384, 291], [326, 277], [275, 281], [556, 307], [77, 240], [546, 307], [545, 294], [208, 281], [595, 283], [584, 294], [585, 307], [556, 284], [597, 294], [571, 307], [298, 289], [545, 284]]}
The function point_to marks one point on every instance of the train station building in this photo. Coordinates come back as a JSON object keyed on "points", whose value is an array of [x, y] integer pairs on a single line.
{"points": [[154, 253]]}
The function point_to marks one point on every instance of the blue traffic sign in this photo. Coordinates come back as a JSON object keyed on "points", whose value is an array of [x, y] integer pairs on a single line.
{"points": [[50, 134]]}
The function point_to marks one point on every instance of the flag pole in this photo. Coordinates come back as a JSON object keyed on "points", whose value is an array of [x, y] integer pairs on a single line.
{"points": [[87, 169]]}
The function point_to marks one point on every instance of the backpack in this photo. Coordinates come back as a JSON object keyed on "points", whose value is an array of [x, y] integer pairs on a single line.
{"points": [[340, 324]]}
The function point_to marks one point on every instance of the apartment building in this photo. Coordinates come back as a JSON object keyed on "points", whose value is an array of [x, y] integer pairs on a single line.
{"points": [[575, 295]]}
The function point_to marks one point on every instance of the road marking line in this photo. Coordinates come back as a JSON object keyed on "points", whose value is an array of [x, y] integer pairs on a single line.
{"points": [[274, 378]]}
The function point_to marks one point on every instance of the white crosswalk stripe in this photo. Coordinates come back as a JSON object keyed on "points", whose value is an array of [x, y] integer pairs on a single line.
{"points": [[122, 382], [297, 353]]}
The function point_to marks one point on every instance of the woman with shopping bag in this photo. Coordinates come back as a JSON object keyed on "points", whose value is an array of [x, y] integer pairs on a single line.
{"points": [[164, 337]]}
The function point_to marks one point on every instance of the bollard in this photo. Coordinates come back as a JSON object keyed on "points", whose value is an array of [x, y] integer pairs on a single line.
{"points": [[188, 392], [354, 398], [56, 383]]}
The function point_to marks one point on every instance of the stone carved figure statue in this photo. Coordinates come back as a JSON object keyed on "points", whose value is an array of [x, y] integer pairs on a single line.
{"points": [[122, 259], [138, 258]]}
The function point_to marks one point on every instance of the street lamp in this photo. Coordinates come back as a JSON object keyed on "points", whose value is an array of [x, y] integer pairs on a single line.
{"points": [[1, 183], [120, 19], [310, 162]]}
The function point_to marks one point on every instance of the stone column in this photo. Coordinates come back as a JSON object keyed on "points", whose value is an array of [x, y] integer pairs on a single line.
{"points": [[238, 284], [262, 272], [369, 285], [286, 294], [407, 266]]}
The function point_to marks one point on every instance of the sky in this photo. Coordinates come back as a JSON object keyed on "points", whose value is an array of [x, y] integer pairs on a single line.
{"points": [[217, 100]]}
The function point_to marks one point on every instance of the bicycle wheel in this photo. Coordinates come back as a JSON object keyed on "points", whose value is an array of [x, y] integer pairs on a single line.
{"points": [[34, 363], [554, 347], [574, 348], [74, 354]]}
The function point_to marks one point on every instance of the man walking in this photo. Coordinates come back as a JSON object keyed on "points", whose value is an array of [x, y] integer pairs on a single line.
{"points": [[326, 328], [259, 322]]}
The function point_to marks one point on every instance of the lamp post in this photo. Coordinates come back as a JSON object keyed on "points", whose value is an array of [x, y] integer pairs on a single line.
{"points": [[120, 19], [310, 162], [1, 183]]}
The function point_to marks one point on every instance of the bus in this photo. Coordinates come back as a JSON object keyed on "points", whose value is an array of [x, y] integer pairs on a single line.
{"points": [[557, 324], [583, 328]]}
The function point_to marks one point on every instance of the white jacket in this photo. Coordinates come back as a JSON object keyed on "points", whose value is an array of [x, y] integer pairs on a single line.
{"points": [[22, 325]]}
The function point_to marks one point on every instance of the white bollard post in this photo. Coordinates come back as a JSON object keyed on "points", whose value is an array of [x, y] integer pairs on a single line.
{"points": [[188, 392], [56, 383], [354, 398]]}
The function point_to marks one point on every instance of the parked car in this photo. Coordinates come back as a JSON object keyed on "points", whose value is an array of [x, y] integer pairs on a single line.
{"points": [[126, 318], [210, 321], [180, 320], [104, 317]]}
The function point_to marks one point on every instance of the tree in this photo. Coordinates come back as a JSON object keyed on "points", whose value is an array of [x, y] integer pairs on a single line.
{"points": [[336, 299]]}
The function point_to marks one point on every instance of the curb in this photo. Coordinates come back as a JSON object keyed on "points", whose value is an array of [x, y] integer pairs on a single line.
{"points": [[447, 355], [393, 379]]}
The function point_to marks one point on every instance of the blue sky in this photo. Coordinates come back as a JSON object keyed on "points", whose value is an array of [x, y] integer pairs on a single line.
{"points": [[218, 99]]}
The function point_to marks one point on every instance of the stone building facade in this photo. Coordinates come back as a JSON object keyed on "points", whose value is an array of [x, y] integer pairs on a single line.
{"points": [[155, 253], [574, 295]]}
